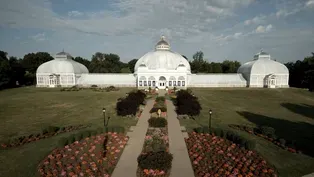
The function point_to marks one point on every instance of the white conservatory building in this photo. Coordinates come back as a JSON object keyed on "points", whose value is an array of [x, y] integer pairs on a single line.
{"points": [[162, 68]]}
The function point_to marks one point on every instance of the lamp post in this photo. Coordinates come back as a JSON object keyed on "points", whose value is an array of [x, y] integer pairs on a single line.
{"points": [[104, 113], [210, 119]]}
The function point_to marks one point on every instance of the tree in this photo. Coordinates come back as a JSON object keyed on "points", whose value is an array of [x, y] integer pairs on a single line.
{"points": [[125, 70], [105, 63], [230, 66], [17, 72], [83, 61], [31, 61], [198, 62], [5, 70], [131, 64]]}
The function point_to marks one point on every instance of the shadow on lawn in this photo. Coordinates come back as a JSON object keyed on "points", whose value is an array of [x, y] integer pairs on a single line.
{"points": [[302, 109], [300, 133]]}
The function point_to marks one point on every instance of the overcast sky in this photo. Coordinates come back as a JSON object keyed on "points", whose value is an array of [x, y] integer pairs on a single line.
{"points": [[222, 29]]}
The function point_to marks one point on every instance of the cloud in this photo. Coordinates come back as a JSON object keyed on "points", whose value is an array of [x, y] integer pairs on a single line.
{"points": [[74, 13], [256, 20], [39, 37], [310, 4], [132, 16], [263, 29]]}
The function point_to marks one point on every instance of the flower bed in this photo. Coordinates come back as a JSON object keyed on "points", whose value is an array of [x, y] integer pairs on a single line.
{"points": [[46, 133], [271, 137], [155, 159], [92, 156], [214, 156]]}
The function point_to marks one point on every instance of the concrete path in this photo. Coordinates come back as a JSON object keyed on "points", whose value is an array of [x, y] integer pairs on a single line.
{"points": [[127, 164], [309, 175], [181, 164]]}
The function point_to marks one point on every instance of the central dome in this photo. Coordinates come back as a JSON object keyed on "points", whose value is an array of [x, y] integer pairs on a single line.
{"points": [[162, 58]]}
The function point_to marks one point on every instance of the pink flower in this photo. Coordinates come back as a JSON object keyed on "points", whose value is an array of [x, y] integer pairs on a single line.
{"points": [[117, 151], [92, 155], [67, 146], [195, 162], [81, 174], [63, 173]]}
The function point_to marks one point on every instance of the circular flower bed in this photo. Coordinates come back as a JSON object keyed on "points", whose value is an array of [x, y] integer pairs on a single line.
{"points": [[255, 131], [52, 131], [214, 156], [92, 156]]}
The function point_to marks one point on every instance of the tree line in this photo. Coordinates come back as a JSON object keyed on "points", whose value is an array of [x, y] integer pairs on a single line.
{"points": [[16, 72]]}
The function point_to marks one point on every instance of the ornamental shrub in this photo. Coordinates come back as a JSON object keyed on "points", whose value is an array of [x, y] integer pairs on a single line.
{"points": [[282, 141], [160, 99], [157, 122], [63, 142], [155, 160], [187, 103], [267, 131], [250, 145]]}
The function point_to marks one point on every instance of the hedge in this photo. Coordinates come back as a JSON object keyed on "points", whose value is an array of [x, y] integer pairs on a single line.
{"points": [[229, 135], [87, 133]]}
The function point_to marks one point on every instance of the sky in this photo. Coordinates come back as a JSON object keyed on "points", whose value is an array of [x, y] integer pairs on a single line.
{"points": [[222, 29]]}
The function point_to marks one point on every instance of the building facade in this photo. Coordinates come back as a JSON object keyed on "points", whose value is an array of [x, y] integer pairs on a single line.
{"points": [[163, 68]]}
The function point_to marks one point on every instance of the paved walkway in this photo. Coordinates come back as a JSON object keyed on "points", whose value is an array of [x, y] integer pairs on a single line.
{"points": [[181, 164], [309, 175], [127, 164]]}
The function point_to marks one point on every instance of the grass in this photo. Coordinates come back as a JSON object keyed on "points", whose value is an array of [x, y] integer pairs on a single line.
{"points": [[28, 110], [289, 111]]}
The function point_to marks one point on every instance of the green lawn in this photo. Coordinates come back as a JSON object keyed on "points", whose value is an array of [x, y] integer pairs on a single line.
{"points": [[28, 110], [289, 111]]}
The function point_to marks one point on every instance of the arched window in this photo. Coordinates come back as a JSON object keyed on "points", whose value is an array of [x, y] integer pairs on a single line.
{"points": [[172, 81], [181, 81], [142, 81], [151, 81]]}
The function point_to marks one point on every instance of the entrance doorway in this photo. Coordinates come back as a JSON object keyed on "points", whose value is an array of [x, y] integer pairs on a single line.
{"points": [[162, 82]]}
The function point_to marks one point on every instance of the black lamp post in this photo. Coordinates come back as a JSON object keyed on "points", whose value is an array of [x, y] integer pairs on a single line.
{"points": [[104, 113], [210, 119]]}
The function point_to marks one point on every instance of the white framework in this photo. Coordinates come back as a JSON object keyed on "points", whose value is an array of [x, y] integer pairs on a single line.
{"points": [[163, 68]]}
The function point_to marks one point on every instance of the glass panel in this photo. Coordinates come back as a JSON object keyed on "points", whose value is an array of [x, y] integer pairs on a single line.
{"points": [[183, 83], [145, 83], [170, 83], [179, 83], [149, 83], [154, 83], [174, 83], [140, 83]]}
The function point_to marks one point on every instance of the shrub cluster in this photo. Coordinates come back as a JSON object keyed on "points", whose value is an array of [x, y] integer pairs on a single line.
{"points": [[157, 122], [87, 133], [73, 88], [159, 104], [130, 104], [229, 135], [106, 89], [155, 160], [268, 133], [46, 132], [186, 103]]}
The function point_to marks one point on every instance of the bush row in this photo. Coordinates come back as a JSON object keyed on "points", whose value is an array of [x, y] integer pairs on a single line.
{"points": [[269, 134], [87, 133], [45, 133], [159, 104], [130, 104], [186, 103], [229, 135], [157, 122]]}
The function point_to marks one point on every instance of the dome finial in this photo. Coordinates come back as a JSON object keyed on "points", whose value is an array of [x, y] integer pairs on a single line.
{"points": [[63, 50], [163, 37], [261, 50]]}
